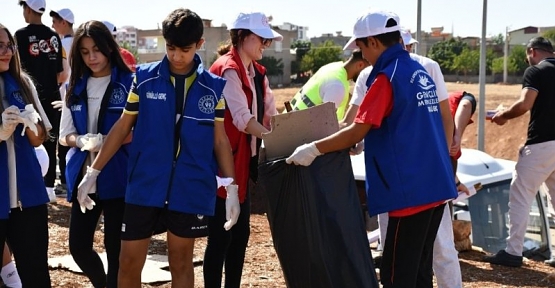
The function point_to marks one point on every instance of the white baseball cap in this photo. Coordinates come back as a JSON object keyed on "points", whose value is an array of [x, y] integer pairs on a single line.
{"points": [[407, 37], [38, 6], [111, 27], [65, 14], [257, 22], [372, 23]]}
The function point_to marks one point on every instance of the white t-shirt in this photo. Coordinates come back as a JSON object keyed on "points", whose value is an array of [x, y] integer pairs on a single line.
{"points": [[430, 65], [12, 171], [96, 87], [360, 86], [332, 91], [66, 43]]}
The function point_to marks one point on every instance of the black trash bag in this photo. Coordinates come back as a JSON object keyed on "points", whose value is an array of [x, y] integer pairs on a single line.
{"points": [[317, 223]]}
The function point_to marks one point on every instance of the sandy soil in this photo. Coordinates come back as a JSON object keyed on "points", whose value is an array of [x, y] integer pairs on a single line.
{"points": [[262, 268]]}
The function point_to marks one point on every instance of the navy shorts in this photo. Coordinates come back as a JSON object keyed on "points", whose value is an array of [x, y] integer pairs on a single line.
{"points": [[141, 222]]}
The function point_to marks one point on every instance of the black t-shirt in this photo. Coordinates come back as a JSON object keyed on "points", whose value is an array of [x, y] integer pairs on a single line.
{"points": [[541, 78], [40, 50]]}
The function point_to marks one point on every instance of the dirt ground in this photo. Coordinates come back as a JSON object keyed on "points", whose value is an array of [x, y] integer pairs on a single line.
{"points": [[262, 268]]}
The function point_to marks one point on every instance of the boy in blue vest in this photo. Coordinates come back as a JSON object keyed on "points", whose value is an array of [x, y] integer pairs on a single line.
{"points": [[175, 109], [408, 171]]}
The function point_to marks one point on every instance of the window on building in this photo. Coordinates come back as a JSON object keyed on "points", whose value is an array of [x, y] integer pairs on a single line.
{"points": [[531, 30], [278, 46]]}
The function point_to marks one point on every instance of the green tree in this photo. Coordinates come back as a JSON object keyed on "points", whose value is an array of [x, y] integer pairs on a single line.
{"points": [[490, 56], [550, 34], [467, 62], [518, 57], [498, 39], [317, 57], [301, 48], [444, 52], [497, 66], [274, 67]]}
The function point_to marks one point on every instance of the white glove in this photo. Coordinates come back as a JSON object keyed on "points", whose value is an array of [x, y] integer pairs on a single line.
{"points": [[10, 119], [86, 187], [90, 142], [304, 155], [95, 142], [81, 140], [357, 149], [232, 208], [222, 181], [29, 118], [58, 104]]}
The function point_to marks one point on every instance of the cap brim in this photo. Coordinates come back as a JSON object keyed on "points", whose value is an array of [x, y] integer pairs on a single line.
{"points": [[54, 14], [351, 45], [412, 41], [268, 34]]}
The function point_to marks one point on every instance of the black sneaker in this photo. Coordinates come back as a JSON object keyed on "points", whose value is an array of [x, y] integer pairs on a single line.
{"points": [[60, 189], [504, 258]]}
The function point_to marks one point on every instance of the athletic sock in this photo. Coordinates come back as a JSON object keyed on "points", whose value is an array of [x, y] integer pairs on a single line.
{"points": [[51, 194], [10, 277]]}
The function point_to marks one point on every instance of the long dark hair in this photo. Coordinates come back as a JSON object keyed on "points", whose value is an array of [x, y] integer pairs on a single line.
{"points": [[105, 42], [21, 78], [236, 37]]}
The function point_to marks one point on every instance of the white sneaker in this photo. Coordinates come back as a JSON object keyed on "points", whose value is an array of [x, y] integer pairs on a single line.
{"points": [[51, 194]]}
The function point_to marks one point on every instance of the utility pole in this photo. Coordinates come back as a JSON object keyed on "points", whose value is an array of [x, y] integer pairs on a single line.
{"points": [[506, 54], [482, 102], [419, 26]]}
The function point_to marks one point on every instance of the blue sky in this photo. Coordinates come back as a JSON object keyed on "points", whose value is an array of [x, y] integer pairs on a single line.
{"points": [[463, 16]]}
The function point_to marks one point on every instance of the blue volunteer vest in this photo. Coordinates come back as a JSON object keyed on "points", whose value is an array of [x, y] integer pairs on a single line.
{"points": [[30, 185], [407, 162], [112, 180], [188, 183]]}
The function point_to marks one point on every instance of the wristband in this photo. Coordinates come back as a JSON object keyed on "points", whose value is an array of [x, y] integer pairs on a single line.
{"points": [[458, 184]]}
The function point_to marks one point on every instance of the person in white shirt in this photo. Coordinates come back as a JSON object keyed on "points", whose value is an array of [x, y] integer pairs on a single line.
{"points": [[62, 23], [95, 100]]}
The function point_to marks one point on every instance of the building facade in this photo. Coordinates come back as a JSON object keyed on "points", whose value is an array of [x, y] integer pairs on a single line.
{"points": [[523, 35], [151, 46]]}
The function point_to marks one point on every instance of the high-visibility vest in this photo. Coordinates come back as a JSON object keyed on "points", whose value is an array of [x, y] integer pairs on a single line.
{"points": [[309, 95]]}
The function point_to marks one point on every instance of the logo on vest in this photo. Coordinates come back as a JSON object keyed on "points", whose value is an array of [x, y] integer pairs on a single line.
{"points": [[427, 96], [206, 104], [155, 95], [76, 107], [18, 97], [118, 96]]}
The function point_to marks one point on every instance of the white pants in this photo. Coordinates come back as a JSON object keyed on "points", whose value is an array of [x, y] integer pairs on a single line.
{"points": [[535, 165], [446, 258]]}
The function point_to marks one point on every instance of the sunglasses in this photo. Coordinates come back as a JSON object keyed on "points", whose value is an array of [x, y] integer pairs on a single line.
{"points": [[265, 41], [4, 48]]}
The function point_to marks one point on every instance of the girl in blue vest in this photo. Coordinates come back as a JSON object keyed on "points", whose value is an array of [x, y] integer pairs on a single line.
{"points": [[96, 96], [23, 198]]}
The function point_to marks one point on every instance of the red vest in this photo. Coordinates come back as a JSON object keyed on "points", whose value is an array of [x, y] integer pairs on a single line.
{"points": [[240, 141]]}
